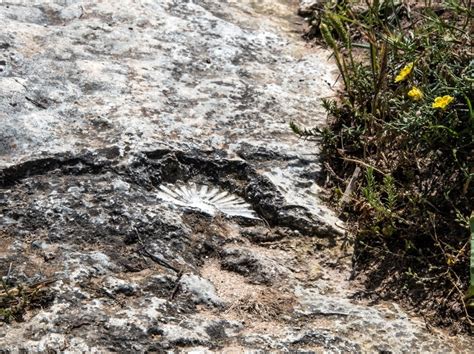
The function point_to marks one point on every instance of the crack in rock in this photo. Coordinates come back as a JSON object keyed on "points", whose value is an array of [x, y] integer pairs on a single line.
{"points": [[153, 170]]}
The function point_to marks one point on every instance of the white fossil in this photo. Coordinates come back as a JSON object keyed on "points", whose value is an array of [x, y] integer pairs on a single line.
{"points": [[210, 200]]}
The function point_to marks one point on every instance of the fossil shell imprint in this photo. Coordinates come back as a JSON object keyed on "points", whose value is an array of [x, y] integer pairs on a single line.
{"points": [[210, 200]]}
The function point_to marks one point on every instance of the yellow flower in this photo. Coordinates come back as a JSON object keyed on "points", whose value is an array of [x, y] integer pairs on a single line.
{"points": [[407, 69], [415, 94], [442, 102]]}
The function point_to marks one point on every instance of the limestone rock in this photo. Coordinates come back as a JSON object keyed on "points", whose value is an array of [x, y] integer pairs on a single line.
{"points": [[104, 102]]}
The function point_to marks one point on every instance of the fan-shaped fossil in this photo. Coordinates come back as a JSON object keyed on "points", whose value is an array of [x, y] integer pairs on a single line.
{"points": [[210, 200]]}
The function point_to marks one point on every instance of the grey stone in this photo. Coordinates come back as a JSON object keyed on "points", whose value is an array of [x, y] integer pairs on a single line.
{"points": [[258, 268], [38, 244], [202, 290], [307, 7]]}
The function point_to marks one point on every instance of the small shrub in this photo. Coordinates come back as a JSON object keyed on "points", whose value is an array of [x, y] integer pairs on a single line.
{"points": [[15, 301], [406, 117]]}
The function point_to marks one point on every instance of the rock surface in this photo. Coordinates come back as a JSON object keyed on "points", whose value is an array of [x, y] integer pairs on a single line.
{"points": [[104, 102], [307, 7]]}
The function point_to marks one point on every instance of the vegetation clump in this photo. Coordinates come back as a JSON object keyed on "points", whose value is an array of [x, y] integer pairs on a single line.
{"points": [[400, 144], [14, 301]]}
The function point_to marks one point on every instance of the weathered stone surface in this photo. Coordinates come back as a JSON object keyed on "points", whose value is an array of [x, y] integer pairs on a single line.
{"points": [[101, 103], [202, 290], [256, 267], [307, 7]]}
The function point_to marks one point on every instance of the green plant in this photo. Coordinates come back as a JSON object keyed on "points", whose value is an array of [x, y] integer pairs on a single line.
{"points": [[14, 301], [406, 116], [382, 199]]}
